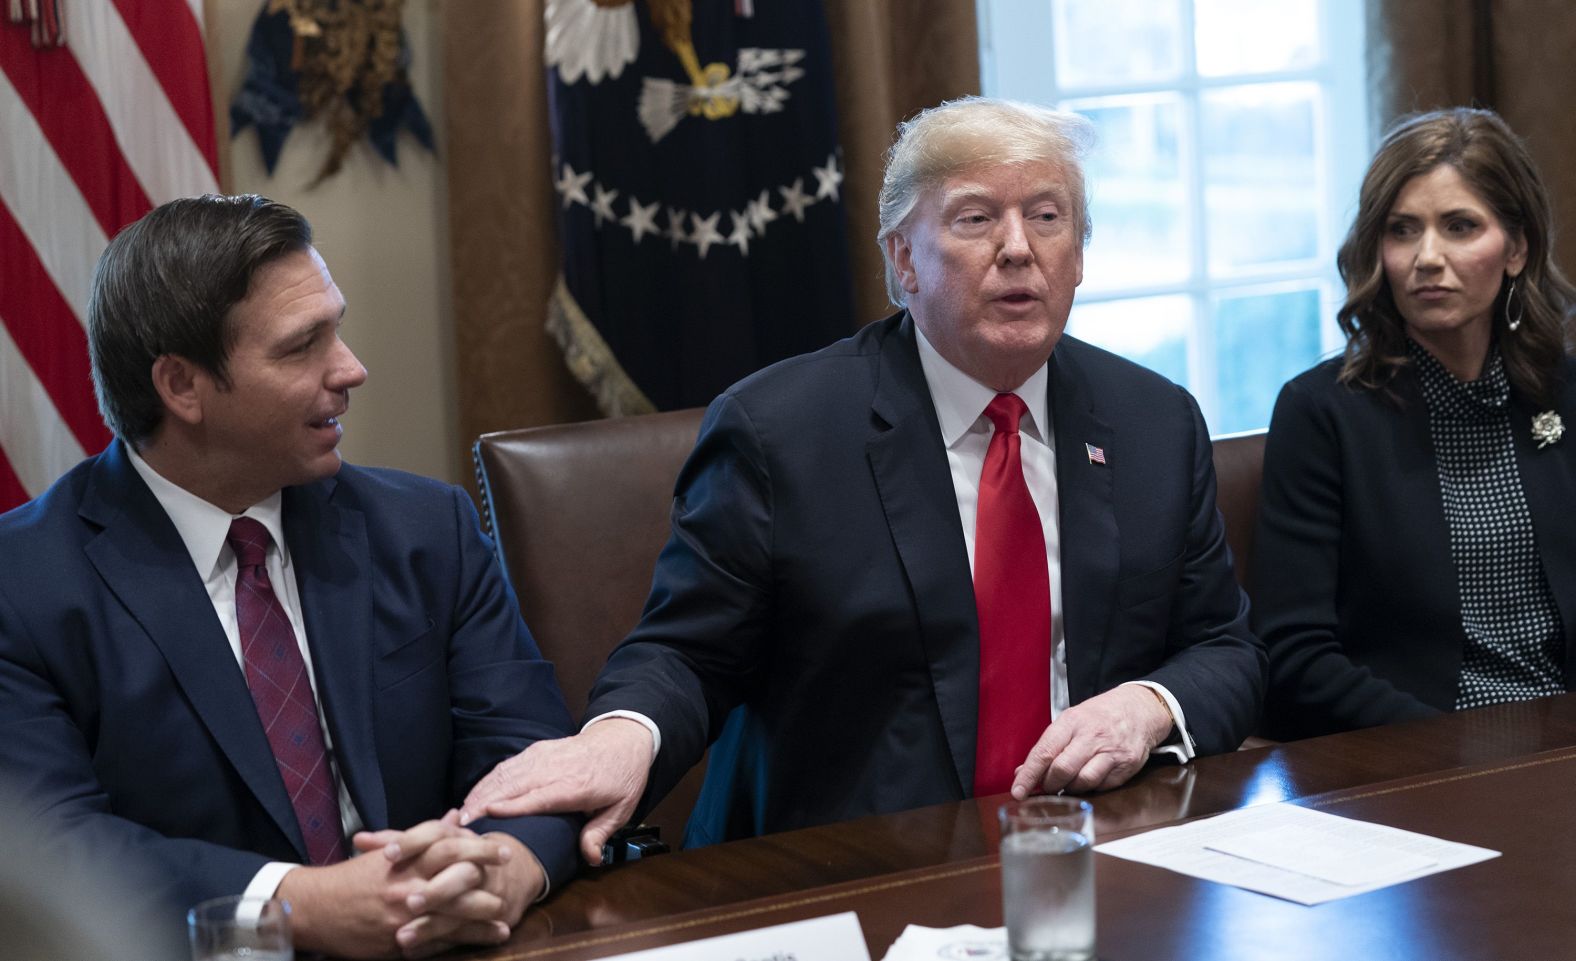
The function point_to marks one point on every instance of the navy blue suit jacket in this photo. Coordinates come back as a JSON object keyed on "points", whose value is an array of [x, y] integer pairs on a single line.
{"points": [[817, 578], [125, 719]]}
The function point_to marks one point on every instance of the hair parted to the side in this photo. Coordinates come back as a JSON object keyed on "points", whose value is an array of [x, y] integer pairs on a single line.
{"points": [[973, 132], [165, 285], [1495, 164]]}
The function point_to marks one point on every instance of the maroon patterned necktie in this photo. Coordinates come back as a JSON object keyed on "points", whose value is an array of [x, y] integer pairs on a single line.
{"points": [[276, 674], [1012, 593]]}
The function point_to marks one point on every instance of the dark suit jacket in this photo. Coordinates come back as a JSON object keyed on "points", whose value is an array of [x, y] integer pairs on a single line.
{"points": [[1354, 589], [125, 719], [817, 576]]}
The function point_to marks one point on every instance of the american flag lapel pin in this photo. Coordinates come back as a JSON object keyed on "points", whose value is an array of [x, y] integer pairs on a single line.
{"points": [[1096, 454]]}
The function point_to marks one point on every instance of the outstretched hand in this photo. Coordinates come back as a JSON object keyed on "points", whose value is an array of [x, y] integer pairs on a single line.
{"points": [[600, 772]]}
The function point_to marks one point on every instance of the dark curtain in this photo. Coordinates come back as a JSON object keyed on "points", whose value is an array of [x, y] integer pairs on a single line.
{"points": [[1517, 57]]}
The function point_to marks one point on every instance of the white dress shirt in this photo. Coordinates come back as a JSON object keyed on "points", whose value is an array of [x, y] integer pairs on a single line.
{"points": [[204, 528], [960, 403]]}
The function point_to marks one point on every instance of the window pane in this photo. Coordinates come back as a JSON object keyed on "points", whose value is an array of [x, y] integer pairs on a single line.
{"points": [[1015, 50], [1117, 41], [1262, 192], [1252, 36], [1152, 331], [1221, 171], [1262, 340], [1139, 198]]}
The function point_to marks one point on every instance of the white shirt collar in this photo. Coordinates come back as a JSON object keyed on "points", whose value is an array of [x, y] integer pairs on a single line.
{"points": [[203, 526], [960, 400]]}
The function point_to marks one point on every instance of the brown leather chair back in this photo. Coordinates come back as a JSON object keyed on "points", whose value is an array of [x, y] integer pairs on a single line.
{"points": [[579, 513], [1239, 465]]}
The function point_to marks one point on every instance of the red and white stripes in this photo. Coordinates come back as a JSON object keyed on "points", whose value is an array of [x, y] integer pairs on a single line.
{"points": [[93, 134]]}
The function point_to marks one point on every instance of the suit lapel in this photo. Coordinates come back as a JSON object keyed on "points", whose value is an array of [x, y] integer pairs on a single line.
{"points": [[333, 569], [1421, 522], [915, 485], [145, 564], [1090, 539]]}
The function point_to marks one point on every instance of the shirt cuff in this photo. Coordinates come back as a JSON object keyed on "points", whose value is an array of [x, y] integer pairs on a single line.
{"points": [[646, 722], [1182, 748], [547, 879], [267, 880]]}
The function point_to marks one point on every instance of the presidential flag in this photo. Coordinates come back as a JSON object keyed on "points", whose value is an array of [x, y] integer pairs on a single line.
{"points": [[104, 113], [699, 186]]}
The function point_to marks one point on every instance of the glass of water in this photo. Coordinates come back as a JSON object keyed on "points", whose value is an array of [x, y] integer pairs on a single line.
{"points": [[241, 929], [1047, 878]]}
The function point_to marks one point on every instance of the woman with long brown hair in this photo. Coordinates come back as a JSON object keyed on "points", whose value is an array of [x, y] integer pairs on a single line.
{"points": [[1416, 550]]}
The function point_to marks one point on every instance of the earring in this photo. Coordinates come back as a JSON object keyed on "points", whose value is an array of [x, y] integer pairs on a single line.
{"points": [[1514, 323]]}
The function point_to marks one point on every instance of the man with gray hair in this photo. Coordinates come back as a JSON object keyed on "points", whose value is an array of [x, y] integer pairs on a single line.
{"points": [[955, 554]]}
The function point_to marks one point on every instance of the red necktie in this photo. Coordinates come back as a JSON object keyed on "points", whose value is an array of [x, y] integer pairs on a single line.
{"points": [[1012, 592], [276, 674]]}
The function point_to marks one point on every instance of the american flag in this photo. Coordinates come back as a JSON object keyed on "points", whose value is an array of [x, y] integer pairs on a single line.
{"points": [[1096, 454], [93, 134]]}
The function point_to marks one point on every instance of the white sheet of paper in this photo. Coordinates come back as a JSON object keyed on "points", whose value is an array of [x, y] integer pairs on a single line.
{"points": [[1264, 842], [1327, 850], [836, 937]]}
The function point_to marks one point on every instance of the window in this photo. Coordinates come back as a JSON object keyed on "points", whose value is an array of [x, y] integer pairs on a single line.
{"points": [[1232, 139]]}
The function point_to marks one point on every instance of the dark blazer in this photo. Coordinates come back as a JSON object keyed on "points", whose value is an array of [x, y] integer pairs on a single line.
{"points": [[817, 577], [1354, 589], [125, 718]]}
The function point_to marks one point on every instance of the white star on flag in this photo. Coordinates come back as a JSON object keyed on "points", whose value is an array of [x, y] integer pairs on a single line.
{"points": [[740, 235], [685, 227], [602, 207], [642, 219], [795, 199], [705, 232], [828, 179], [761, 213], [676, 232], [573, 186]]}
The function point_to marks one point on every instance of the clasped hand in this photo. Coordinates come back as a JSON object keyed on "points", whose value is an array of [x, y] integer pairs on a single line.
{"points": [[414, 893]]}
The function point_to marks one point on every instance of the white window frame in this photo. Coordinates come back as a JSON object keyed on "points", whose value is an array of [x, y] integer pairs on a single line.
{"points": [[1017, 60]]}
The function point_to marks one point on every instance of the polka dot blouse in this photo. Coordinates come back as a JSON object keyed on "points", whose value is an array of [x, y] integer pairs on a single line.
{"points": [[1514, 639]]}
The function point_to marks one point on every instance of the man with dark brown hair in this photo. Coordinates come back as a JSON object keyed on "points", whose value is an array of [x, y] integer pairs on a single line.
{"points": [[226, 655]]}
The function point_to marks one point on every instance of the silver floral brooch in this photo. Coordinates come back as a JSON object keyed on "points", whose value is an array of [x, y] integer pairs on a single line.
{"points": [[1547, 428]]}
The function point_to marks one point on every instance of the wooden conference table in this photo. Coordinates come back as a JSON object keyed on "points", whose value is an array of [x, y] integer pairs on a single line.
{"points": [[1501, 777]]}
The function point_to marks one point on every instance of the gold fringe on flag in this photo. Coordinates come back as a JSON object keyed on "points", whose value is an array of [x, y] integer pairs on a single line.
{"points": [[45, 17], [590, 359]]}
